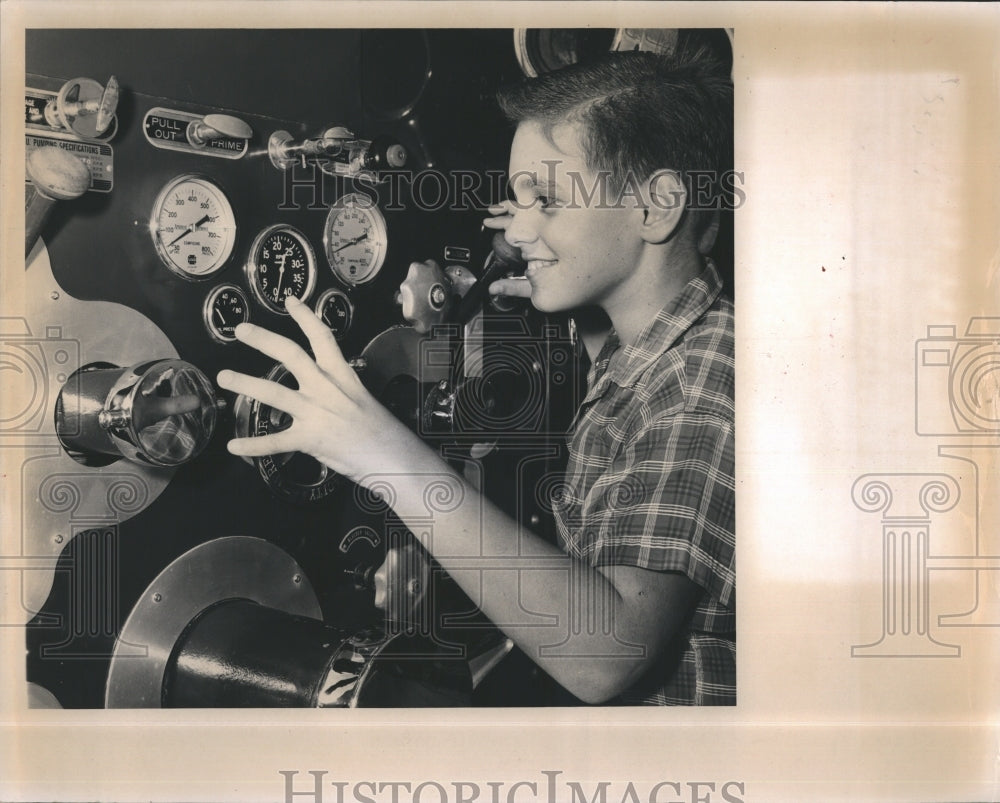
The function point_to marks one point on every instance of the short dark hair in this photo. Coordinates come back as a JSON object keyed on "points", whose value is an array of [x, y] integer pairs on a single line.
{"points": [[640, 111]]}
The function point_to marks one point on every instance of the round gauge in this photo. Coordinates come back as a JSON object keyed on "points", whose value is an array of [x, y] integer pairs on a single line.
{"points": [[281, 264], [336, 311], [193, 227], [355, 239], [225, 307]]}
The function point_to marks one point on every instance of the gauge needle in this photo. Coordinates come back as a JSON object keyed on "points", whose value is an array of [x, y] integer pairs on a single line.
{"points": [[220, 316], [283, 256], [190, 229], [349, 243]]}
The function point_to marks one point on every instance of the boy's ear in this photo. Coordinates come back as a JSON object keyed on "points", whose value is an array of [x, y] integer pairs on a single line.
{"points": [[666, 198]]}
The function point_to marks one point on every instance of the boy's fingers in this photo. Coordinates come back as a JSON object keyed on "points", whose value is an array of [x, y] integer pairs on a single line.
{"points": [[277, 443], [516, 287], [271, 393], [279, 348], [324, 345]]}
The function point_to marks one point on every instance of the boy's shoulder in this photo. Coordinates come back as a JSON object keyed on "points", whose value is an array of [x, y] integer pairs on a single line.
{"points": [[696, 374]]}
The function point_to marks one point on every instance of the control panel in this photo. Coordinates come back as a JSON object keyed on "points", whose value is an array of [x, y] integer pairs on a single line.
{"points": [[169, 200]]}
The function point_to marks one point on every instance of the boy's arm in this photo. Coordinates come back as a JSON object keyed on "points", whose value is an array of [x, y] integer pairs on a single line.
{"points": [[594, 630]]}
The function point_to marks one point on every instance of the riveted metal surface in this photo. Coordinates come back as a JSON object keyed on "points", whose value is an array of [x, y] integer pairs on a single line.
{"points": [[235, 567]]}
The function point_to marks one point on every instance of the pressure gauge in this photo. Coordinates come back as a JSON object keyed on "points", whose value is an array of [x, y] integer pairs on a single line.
{"points": [[282, 263], [225, 308], [193, 227], [336, 311], [355, 239]]}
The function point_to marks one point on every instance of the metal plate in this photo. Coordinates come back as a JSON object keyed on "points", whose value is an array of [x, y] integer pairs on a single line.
{"points": [[167, 128], [98, 157], [236, 567]]}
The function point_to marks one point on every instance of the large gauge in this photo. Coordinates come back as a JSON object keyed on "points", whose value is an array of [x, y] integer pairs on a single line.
{"points": [[282, 263], [193, 227], [355, 239]]}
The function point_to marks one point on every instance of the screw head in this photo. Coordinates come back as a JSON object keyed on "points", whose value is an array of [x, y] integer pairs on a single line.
{"points": [[157, 597], [297, 579]]}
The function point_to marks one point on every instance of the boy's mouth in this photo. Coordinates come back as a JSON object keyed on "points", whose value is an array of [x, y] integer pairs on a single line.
{"points": [[536, 265]]}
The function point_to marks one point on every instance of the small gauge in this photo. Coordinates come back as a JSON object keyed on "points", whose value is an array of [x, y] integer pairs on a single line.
{"points": [[355, 239], [281, 264], [336, 311], [225, 307], [193, 227]]}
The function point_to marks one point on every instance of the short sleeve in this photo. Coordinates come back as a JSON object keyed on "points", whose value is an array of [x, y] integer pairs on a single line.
{"points": [[666, 502]]}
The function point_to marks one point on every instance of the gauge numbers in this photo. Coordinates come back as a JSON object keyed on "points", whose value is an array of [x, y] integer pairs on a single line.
{"points": [[355, 239], [193, 227], [336, 311], [225, 308], [282, 263]]}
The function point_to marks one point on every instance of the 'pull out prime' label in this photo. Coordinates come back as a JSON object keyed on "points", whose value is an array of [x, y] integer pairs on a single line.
{"points": [[167, 128]]}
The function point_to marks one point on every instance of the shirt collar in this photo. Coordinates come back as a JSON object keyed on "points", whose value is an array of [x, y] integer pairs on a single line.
{"points": [[625, 366]]}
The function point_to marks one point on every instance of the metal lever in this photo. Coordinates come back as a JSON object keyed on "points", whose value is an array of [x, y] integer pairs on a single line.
{"points": [[216, 126], [337, 151], [55, 176]]}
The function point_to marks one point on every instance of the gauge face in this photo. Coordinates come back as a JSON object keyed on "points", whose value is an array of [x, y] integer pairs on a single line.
{"points": [[281, 264], [225, 307], [193, 227], [336, 311], [355, 239]]}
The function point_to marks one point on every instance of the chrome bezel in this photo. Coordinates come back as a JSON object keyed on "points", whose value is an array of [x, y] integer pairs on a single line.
{"points": [[322, 301], [209, 305], [379, 236], [252, 266], [222, 199]]}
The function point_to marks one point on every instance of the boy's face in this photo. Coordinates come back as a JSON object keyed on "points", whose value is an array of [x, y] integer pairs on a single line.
{"points": [[581, 246]]}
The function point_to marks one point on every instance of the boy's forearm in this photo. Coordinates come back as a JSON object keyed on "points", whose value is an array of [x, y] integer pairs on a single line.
{"points": [[568, 617]]}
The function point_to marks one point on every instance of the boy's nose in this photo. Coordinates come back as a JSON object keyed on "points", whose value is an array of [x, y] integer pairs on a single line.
{"points": [[520, 231]]}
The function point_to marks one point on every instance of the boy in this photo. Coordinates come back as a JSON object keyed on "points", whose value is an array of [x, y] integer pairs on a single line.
{"points": [[605, 216]]}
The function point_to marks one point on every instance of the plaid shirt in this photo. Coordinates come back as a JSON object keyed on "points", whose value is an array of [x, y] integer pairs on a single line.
{"points": [[650, 481]]}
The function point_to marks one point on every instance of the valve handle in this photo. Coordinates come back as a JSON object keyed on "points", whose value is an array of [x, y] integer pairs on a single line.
{"points": [[215, 126], [55, 176]]}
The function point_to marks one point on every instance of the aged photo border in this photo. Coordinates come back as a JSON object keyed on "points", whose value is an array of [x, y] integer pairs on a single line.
{"points": [[901, 733]]}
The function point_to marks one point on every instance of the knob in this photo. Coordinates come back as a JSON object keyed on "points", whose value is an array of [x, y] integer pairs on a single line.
{"points": [[84, 107], [385, 154], [55, 176], [216, 126], [425, 295]]}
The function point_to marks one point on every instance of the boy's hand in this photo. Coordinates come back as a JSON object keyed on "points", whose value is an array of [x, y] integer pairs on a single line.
{"points": [[516, 286], [334, 417], [502, 215]]}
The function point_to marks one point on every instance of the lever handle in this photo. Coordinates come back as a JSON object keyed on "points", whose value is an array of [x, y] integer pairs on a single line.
{"points": [[215, 126], [55, 176]]}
